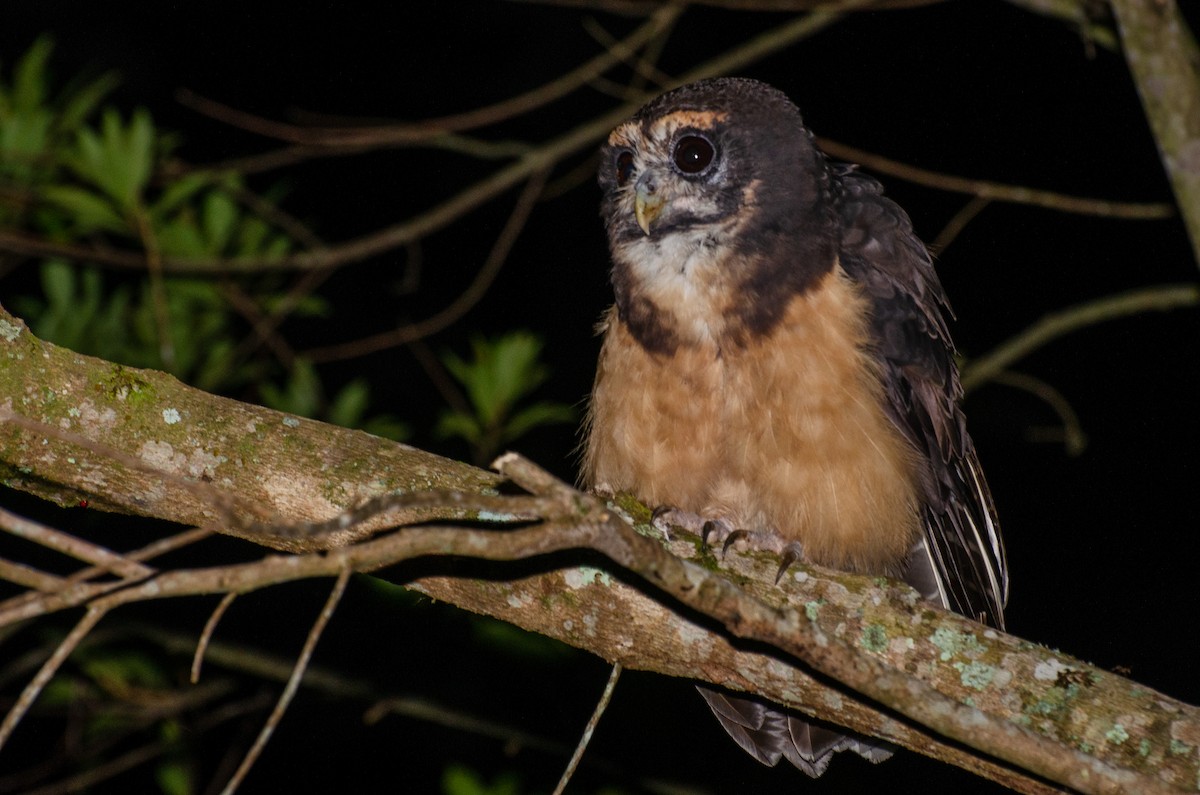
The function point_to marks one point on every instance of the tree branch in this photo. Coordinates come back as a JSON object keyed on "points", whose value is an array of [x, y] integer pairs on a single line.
{"points": [[1165, 64], [939, 675]]}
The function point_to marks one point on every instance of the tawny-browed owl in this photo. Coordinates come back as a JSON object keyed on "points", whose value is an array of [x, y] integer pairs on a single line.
{"points": [[777, 364]]}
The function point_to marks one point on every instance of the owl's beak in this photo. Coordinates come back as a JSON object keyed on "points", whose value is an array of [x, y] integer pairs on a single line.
{"points": [[648, 201]]}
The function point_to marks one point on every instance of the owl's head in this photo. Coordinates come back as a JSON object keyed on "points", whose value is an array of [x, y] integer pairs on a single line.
{"points": [[715, 153], [719, 207]]}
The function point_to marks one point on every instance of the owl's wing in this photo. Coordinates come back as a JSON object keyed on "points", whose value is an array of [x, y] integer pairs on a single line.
{"points": [[961, 560]]}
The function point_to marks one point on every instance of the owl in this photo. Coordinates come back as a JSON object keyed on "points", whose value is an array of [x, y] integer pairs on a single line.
{"points": [[777, 366]]}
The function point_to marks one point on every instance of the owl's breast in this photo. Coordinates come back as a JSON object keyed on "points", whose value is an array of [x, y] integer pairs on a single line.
{"points": [[784, 432]]}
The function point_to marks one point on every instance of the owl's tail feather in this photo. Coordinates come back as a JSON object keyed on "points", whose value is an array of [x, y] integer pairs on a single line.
{"points": [[769, 734]]}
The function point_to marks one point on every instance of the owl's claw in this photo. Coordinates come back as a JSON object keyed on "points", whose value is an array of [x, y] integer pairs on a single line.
{"points": [[718, 531], [658, 519], [791, 553], [733, 538]]}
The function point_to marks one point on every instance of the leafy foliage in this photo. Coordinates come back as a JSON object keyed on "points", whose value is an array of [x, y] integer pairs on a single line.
{"points": [[69, 178], [502, 372]]}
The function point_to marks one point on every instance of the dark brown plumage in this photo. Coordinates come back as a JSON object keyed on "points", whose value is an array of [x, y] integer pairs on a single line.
{"points": [[778, 359]]}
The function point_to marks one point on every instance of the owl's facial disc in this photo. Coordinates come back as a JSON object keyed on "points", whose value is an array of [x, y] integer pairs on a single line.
{"points": [[667, 176]]}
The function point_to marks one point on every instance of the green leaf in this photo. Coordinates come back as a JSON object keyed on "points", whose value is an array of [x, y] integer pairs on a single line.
{"points": [[460, 780], [29, 77], [24, 139], [58, 283], [179, 192], [516, 641], [118, 160], [219, 216], [132, 155], [118, 671], [90, 212], [350, 404], [180, 237], [301, 394], [174, 778], [531, 417], [456, 424], [79, 103], [387, 426]]}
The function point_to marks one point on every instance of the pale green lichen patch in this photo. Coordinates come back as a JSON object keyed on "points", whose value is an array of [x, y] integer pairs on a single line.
{"points": [[1179, 747], [1144, 748], [975, 675], [519, 601], [495, 516], [583, 576], [170, 416], [9, 331], [874, 638], [813, 609], [1049, 669], [1116, 734], [952, 643]]}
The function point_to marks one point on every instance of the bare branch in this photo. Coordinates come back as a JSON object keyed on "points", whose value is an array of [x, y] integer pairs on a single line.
{"points": [[293, 683], [461, 305], [1166, 297], [80, 631], [932, 669], [1165, 64], [1133, 211], [210, 627], [376, 136], [68, 544], [588, 730]]}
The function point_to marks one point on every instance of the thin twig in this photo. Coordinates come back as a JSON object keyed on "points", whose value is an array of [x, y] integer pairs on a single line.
{"points": [[958, 223], [1016, 194], [1071, 435], [20, 574], [210, 627], [1160, 298], [71, 545], [293, 683], [462, 304], [588, 730], [71, 592], [403, 134], [47, 671]]}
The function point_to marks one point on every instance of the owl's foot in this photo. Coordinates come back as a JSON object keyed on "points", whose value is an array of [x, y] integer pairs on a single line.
{"points": [[664, 517], [714, 532], [767, 541]]}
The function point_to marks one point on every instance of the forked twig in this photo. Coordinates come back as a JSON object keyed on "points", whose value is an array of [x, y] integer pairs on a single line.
{"points": [[589, 729], [289, 690], [210, 627], [48, 670]]}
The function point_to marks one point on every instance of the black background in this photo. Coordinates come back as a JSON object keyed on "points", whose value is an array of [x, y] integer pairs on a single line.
{"points": [[1100, 545]]}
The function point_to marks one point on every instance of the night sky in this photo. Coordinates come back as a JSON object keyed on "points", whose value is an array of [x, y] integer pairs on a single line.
{"points": [[1100, 544]]}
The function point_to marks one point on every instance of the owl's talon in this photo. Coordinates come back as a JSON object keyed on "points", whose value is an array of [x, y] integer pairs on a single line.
{"points": [[733, 538], [791, 553], [658, 518]]}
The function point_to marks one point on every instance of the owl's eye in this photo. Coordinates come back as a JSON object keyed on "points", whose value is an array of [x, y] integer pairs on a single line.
{"points": [[624, 167], [693, 154]]}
